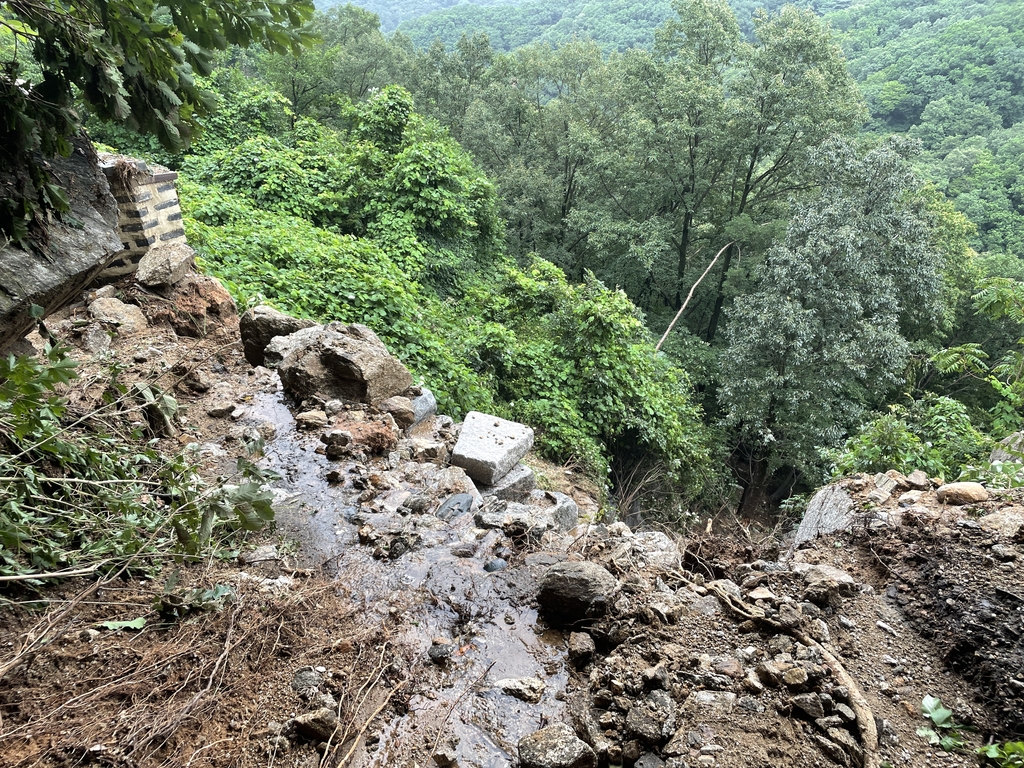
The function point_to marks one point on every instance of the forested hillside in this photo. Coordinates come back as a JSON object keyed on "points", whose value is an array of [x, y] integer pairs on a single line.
{"points": [[522, 227]]}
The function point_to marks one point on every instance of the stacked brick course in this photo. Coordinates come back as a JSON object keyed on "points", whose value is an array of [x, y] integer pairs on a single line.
{"points": [[148, 211]]}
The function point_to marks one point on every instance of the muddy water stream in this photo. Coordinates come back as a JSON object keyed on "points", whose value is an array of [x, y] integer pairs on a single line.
{"points": [[431, 592]]}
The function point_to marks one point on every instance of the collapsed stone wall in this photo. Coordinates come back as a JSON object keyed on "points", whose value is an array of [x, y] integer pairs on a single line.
{"points": [[148, 212]]}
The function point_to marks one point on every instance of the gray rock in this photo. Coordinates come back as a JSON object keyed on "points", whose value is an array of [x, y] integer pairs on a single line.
{"points": [[528, 689], [72, 251], [321, 725], [649, 760], [642, 725], [424, 405], [441, 653], [571, 592], [94, 338], [127, 318], [811, 704], [1011, 449], [514, 486], [562, 509], [488, 447], [307, 679], [829, 511], [495, 565], [347, 362], [555, 747], [260, 325], [513, 518], [918, 480], [165, 264], [456, 505], [581, 648]]}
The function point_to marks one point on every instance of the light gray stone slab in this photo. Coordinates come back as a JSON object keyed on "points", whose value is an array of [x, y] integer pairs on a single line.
{"points": [[488, 447]]}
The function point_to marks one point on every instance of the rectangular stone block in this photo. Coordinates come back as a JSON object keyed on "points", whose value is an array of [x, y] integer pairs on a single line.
{"points": [[489, 447]]}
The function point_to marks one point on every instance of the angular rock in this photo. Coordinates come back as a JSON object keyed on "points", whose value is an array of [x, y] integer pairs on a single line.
{"points": [[555, 747], [562, 509], [713, 704], [72, 251], [94, 338], [347, 362], [816, 575], [830, 510], [528, 689], [454, 506], [831, 749], [811, 704], [512, 487], [424, 405], [958, 494], [311, 420], [1008, 523], [581, 648], [642, 725], [488, 447], [165, 264], [1011, 449], [401, 410], [918, 480], [321, 725], [126, 318], [572, 592], [260, 325]]}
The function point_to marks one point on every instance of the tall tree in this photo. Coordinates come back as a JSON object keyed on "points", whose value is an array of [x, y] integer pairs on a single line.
{"points": [[822, 336]]}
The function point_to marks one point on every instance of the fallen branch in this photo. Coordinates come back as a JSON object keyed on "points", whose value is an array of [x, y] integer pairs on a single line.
{"points": [[688, 297]]}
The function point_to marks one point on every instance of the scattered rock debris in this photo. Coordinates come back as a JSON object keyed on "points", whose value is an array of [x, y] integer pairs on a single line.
{"points": [[421, 604]]}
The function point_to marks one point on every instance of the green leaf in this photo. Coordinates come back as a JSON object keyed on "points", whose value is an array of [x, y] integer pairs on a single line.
{"points": [[138, 623]]}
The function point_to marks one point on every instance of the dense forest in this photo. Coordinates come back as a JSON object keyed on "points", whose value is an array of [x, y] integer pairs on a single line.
{"points": [[822, 217]]}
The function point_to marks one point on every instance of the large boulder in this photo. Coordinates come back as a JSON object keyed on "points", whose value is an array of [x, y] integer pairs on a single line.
{"points": [[260, 325], [571, 592], [555, 747], [488, 447], [337, 361], [72, 251]]}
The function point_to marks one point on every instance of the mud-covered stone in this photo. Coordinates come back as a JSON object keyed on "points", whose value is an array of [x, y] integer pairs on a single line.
{"points": [[528, 689], [581, 648], [572, 592], [401, 410], [488, 447], [320, 725], [195, 306], [555, 747]]}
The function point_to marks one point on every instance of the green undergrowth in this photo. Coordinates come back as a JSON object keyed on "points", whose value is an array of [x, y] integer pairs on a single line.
{"points": [[387, 223], [92, 493]]}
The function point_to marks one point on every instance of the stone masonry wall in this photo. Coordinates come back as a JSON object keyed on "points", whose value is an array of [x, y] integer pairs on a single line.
{"points": [[148, 211]]}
